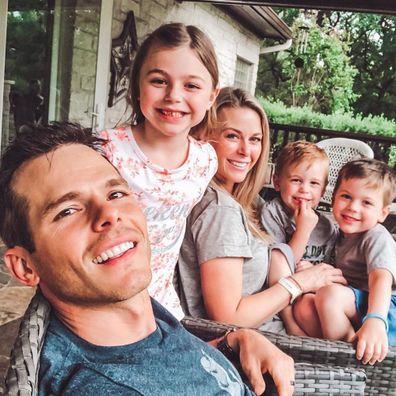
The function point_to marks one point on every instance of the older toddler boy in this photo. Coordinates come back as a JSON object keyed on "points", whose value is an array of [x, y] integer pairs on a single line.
{"points": [[365, 311]]}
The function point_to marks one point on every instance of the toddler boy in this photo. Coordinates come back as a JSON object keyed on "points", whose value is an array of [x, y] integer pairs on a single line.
{"points": [[300, 177]]}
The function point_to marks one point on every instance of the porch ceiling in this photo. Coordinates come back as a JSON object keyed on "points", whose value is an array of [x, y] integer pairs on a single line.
{"points": [[377, 6], [262, 21]]}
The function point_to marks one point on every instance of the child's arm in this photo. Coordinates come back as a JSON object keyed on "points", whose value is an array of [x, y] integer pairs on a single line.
{"points": [[306, 220], [372, 339]]}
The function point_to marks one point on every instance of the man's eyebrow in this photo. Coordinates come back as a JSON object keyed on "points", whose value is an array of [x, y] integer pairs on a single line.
{"points": [[119, 181], [53, 204]]}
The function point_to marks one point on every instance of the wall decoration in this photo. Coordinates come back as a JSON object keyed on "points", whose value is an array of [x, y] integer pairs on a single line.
{"points": [[123, 50]]}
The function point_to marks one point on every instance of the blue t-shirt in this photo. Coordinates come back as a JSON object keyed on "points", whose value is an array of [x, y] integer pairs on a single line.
{"points": [[169, 361]]}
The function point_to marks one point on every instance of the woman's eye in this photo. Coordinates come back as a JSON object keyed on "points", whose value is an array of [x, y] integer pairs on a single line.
{"points": [[65, 213], [256, 139], [231, 135]]}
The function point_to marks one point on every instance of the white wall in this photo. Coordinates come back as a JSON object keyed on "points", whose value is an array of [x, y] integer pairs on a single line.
{"points": [[229, 38]]}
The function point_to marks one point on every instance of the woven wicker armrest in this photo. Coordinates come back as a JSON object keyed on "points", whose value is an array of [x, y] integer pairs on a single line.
{"points": [[381, 378], [22, 375]]}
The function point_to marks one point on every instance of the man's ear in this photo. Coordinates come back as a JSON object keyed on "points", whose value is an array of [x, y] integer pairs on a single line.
{"points": [[19, 262]]}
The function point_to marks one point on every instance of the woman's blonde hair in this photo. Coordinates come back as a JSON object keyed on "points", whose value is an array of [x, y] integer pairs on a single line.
{"points": [[246, 192]]}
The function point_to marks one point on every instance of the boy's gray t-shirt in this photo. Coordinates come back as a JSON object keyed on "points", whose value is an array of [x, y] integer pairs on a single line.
{"points": [[218, 227], [358, 255], [280, 224]]}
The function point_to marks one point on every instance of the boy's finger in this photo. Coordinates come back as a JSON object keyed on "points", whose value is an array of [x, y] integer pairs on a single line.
{"points": [[360, 348]]}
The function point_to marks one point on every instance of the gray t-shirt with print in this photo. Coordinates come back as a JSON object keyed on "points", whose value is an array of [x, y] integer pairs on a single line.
{"points": [[358, 255], [280, 224], [218, 227]]}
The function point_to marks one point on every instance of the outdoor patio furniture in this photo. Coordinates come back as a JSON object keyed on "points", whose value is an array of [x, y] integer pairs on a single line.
{"points": [[341, 151], [381, 378]]}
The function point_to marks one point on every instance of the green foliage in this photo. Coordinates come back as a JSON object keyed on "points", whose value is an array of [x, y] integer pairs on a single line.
{"points": [[372, 39], [324, 82], [279, 113], [347, 122], [26, 47]]}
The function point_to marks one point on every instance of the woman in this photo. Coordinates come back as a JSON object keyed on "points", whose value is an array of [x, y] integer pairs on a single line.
{"points": [[225, 259]]}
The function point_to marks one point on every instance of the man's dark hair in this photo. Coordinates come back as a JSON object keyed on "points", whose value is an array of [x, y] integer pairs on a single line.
{"points": [[30, 143]]}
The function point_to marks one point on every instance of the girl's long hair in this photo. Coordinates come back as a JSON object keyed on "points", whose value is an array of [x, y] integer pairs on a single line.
{"points": [[246, 192]]}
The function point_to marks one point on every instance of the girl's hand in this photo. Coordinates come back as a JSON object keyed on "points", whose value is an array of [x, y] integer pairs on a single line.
{"points": [[305, 217], [372, 341], [303, 264]]}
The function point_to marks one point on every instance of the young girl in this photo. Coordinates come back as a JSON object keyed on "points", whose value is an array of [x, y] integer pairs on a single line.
{"points": [[173, 84]]}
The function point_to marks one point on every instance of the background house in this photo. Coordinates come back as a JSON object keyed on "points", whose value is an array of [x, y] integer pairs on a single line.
{"points": [[78, 68]]}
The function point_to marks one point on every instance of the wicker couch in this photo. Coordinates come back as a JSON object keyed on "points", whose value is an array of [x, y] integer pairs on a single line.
{"points": [[333, 355]]}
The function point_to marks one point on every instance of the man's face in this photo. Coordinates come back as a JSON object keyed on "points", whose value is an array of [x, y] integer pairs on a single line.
{"points": [[89, 233]]}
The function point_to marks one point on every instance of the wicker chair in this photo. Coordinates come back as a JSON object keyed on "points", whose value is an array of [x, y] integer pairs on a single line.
{"points": [[22, 375], [340, 151], [381, 378]]}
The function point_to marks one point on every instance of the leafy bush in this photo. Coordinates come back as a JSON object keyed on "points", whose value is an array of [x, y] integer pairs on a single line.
{"points": [[377, 125], [345, 122]]}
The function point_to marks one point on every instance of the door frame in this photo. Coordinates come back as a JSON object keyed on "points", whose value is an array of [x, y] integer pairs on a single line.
{"points": [[3, 40]]}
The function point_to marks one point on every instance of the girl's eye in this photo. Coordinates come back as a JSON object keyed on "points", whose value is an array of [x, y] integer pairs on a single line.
{"points": [[192, 86], [65, 213], [158, 81], [117, 195]]}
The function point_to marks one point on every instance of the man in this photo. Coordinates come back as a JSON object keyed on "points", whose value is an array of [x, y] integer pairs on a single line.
{"points": [[72, 228]]}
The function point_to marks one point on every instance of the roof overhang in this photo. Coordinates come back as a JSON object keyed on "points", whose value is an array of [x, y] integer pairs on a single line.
{"points": [[377, 6], [262, 21]]}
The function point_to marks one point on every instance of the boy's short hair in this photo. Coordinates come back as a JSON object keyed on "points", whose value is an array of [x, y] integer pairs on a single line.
{"points": [[377, 173], [297, 152]]}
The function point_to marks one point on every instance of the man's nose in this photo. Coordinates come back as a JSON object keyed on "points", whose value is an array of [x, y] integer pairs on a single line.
{"points": [[106, 215]]}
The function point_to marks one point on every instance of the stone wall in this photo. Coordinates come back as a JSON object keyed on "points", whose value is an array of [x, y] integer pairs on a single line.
{"points": [[229, 38], [85, 49]]}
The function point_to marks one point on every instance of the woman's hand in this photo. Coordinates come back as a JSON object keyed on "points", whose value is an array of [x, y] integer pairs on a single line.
{"points": [[312, 279], [259, 356]]}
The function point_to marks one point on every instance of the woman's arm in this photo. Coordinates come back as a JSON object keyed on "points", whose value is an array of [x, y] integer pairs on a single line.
{"points": [[221, 282]]}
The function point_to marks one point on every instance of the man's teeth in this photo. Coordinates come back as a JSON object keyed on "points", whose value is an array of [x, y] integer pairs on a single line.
{"points": [[238, 164], [113, 252]]}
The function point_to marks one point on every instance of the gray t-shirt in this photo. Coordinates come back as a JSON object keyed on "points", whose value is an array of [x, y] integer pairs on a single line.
{"points": [[217, 227], [358, 255], [279, 223], [169, 361]]}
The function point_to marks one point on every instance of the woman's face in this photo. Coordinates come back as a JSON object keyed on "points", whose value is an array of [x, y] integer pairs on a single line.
{"points": [[238, 145]]}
